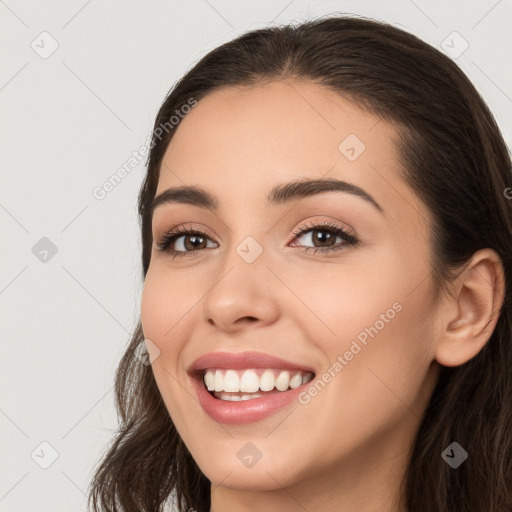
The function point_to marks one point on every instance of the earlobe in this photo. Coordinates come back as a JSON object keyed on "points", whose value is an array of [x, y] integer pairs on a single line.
{"points": [[473, 311]]}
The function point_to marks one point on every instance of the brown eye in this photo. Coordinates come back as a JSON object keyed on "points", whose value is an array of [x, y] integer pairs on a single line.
{"points": [[323, 236], [192, 241]]}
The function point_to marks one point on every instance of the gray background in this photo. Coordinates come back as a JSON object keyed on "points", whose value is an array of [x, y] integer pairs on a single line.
{"points": [[68, 122]]}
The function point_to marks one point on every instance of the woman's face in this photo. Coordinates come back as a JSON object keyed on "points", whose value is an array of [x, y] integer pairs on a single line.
{"points": [[359, 316]]}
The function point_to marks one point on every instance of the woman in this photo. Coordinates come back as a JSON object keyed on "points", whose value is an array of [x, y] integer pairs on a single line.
{"points": [[326, 304]]}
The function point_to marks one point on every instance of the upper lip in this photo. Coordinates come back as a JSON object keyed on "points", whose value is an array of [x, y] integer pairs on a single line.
{"points": [[242, 360]]}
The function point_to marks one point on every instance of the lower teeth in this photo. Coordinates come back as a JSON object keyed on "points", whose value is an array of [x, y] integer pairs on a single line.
{"points": [[236, 398]]}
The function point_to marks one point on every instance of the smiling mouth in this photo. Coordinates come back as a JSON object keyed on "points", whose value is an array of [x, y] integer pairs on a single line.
{"points": [[253, 383]]}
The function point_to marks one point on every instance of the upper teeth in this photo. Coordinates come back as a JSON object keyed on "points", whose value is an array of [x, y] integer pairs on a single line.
{"points": [[249, 381]]}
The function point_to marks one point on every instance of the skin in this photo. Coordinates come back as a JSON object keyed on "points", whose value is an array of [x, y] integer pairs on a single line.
{"points": [[347, 448]]}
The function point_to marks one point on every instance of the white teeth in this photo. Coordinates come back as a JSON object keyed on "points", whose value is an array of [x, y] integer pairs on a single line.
{"points": [[267, 381], [283, 381], [295, 381], [209, 380], [219, 381], [237, 398], [306, 378], [232, 398], [231, 381], [247, 381]]}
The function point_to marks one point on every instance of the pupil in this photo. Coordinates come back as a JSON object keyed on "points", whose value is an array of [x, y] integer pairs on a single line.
{"points": [[197, 240], [323, 235]]}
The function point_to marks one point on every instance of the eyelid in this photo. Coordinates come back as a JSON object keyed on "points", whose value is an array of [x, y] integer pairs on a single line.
{"points": [[324, 222], [192, 226]]}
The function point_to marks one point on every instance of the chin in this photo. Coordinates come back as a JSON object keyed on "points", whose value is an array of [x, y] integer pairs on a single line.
{"points": [[263, 475]]}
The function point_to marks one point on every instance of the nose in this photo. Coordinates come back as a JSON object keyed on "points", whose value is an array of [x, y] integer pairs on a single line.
{"points": [[245, 296]]}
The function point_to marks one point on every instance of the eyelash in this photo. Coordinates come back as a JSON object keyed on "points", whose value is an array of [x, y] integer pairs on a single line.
{"points": [[327, 226]]}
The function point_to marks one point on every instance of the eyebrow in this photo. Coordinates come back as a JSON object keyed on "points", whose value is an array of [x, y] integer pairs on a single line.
{"points": [[280, 194]]}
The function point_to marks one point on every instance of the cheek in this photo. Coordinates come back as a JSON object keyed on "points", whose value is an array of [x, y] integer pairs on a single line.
{"points": [[160, 319], [377, 360], [338, 304], [164, 304], [373, 332], [385, 300], [165, 308], [160, 311]]}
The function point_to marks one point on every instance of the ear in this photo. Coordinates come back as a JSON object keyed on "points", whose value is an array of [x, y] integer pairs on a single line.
{"points": [[470, 315]]}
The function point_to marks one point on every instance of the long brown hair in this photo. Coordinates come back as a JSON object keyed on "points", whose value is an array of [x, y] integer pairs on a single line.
{"points": [[454, 158]]}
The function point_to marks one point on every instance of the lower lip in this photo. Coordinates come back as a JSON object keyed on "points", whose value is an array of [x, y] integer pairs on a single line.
{"points": [[243, 411]]}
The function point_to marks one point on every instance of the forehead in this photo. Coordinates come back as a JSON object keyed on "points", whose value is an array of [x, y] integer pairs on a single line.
{"points": [[278, 121], [239, 142]]}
